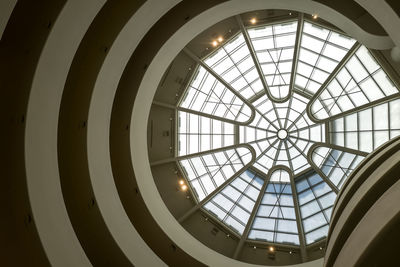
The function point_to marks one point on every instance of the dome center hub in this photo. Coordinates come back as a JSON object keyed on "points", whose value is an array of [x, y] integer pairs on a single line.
{"points": [[282, 134]]}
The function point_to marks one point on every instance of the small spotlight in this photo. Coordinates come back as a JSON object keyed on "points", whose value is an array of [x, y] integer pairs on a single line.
{"points": [[315, 16], [254, 247], [184, 187], [214, 43], [271, 249], [220, 39], [181, 182], [320, 248], [253, 21], [290, 252], [290, 13]]}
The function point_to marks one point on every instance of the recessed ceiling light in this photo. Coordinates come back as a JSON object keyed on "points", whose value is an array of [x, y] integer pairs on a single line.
{"points": [[220, 39], [315, 16], [214, 43], [253, 21]]}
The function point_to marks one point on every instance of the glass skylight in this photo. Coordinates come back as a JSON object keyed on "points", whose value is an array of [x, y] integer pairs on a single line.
{"points": [[360, 81], [316, 199], [234, 204], [234, 64], [206, 94], [367, 129], [336, 165], [321, 50], [275, 219], [209, 171], [275, 120], [274, 47], [267, 163], [198, 133]]}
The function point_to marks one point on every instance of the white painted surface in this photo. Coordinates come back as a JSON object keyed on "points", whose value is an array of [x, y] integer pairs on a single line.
{"points": [[58, 238], [99, 119], [361, 192], [380, 215], [395, 53], [385, 15]]}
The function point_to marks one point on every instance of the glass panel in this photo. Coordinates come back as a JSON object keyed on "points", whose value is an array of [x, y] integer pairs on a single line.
{"points": [[310, 208], [322, 50], [261, 235], [365, 126], [315, 201], [370, 130], [198, 134], [233, 202], [234, 64], [271, 149], [209, 171], [336, 165], [316, 235], [276, 213], [274, 47], [360, 81], [280, 176]]}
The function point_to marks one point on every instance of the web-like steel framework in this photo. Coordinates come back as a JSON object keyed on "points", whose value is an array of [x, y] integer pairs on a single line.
{"points": [[273, 122]]}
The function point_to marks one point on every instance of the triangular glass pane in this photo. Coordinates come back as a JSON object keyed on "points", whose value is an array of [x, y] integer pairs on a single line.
{"points": [[316, 199], [258, 129], [282, 158], [233, 62], [266, 159], [274, 48], [275, 220], [266, 108], [320, 52], [360, 81], [207, 95], [335, 164], [310, 132], [367, 129], [234, 204], [297, 155], [207, 172]]}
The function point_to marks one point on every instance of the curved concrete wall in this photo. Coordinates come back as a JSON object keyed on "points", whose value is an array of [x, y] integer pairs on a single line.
{"points": [[365, 212], [76, 154], [6, 7]]}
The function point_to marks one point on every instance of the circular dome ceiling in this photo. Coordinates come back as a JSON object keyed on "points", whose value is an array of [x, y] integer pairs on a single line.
{"points": [[273, 120]]}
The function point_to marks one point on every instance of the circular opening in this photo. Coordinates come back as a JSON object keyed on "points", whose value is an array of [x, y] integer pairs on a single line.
{"points": [[282, 134], [218, 119]]}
